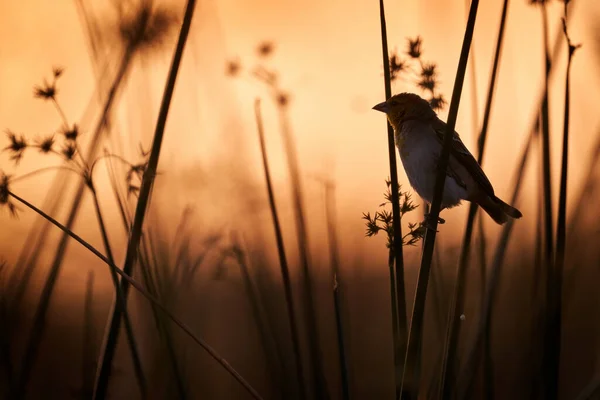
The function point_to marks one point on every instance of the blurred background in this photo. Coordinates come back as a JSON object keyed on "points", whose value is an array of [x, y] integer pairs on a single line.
{"points": [[209, 215]]}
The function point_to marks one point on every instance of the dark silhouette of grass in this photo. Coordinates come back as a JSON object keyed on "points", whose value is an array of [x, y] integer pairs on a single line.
{"points": [[547, 370], [126, 277], [449, 362], [411, 376], [285, 273], [88, 350], [397, 289], [140, 211], [332, 238], [269, 342], [483, 328], [554, 314], [75, 162]]}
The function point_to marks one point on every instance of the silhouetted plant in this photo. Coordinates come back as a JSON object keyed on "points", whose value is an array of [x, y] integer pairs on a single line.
{"points": [[422, 74], [382, 219]]}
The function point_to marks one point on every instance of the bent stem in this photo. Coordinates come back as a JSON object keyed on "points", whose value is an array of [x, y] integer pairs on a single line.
{"points": [[126, 277]]}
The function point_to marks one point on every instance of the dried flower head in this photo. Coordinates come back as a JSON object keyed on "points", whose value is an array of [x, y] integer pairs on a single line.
{"points": [[426, 83], [4, 187], [265, 49], [397, 66], [283, 99], [69, 150], [57, 72], [46, 91], [437, 102], [146, 27], [71, 133], [16, 147], [45, 144], [233, 68], [414, 47], [5, 194], [382, 219], [428, 70]]}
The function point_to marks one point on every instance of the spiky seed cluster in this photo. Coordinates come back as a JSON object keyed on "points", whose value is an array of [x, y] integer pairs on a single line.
{"points": [[425, 78], [16, 146], [382, 219], [67, 148], [146, 27], [5, 194]]}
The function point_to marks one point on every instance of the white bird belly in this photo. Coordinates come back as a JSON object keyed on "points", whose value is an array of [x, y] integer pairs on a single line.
{"points": [[419, 152]]}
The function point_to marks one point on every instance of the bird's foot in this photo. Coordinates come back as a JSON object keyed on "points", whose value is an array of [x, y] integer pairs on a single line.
{"points": [[428, 222]]}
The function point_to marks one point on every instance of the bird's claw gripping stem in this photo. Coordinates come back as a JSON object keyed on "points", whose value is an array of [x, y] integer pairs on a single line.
{"points": [[428, 223]]}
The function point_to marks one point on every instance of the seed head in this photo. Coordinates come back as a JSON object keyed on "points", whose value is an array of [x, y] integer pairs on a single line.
{"points": [[72, 133], [265, 49], [5, 194], [427, 84], [414, 47], [16, 147], [429, 70], [57, 72], [46, 91], [283, 99], [437, 102], [397, 66], [45, 144], [146, 27], [69, 150], [233, 68]]}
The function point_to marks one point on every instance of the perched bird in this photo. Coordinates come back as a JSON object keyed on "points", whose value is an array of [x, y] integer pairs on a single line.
{"points": [[419, 135]]}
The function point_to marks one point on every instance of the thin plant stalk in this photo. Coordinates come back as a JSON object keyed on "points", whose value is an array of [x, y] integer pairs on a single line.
{"points": [[330, 217], [554, 317], [469, 369], [303, 248], [39, 323], [164, 330], [146, 294], [285, 273], [119, 297], [415, 338], [397, 287], [87, 353], [265, 330], [105, 366], [547, 368], [449, 362]]}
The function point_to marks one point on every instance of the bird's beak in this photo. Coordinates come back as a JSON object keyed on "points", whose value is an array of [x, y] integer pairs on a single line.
{"points": [[383, 107]]}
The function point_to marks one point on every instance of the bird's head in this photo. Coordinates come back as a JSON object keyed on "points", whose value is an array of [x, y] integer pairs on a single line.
{"points": [[405, 106]]}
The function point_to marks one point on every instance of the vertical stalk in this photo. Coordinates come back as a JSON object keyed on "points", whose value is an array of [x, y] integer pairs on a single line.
{"points": [[555, 307], [398, 297], [449, 363], [413, 354], [39, 323], [285, 274], [119, 297], [140, 211], [337, 298]]}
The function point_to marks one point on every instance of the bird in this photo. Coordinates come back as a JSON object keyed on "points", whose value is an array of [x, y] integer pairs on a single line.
{"points": [[419, 135]]}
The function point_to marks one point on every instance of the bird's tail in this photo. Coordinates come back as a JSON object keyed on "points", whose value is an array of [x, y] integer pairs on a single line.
{"points": [[498, 209]]}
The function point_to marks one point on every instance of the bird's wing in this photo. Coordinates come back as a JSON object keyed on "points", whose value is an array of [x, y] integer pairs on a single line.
{"points": [[463, 156]]}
